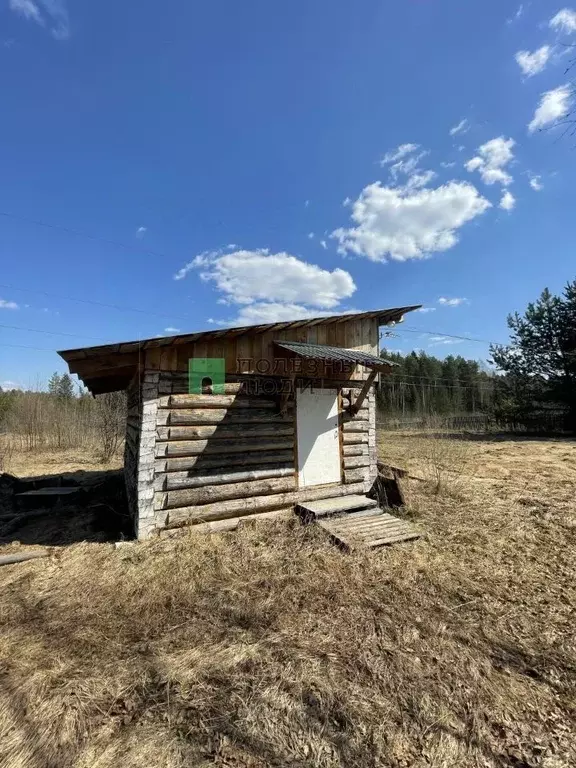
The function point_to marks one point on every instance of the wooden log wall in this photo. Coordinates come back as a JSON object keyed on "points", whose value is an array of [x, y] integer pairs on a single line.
{"points": [[256, 354], [131, 446], [209, 458]]}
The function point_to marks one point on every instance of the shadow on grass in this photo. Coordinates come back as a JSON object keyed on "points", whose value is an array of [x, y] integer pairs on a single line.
{"points": [[96, 510]]}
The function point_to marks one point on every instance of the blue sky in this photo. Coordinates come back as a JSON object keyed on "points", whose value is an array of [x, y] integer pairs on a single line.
{"points": [[279, 160]]}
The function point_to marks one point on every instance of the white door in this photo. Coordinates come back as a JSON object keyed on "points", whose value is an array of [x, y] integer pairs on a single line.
{"points": [[318, 443]]}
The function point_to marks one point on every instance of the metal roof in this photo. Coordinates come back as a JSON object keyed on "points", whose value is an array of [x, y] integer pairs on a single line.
{"points": [[324, 352], [384, 317]]}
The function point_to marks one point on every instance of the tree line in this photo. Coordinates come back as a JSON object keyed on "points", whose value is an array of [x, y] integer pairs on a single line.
{"points": [[64, 417], [537, 387], [531, 386], [423, 385]]}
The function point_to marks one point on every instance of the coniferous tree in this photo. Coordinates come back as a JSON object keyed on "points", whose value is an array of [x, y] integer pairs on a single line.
{"points": [[540, 362]]}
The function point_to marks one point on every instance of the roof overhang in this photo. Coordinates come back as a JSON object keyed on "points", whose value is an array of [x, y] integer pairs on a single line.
{"points": [[110, 367]]}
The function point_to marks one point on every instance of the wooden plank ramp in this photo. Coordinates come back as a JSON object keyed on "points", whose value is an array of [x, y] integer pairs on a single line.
{"points": [[356, 520]]}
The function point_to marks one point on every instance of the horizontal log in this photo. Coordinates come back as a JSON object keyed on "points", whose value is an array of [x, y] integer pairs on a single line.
{"points": [[362, 415], [225, 432], [196, 447], [242, 507], [232, 523], [350, 438], [355, 475], [354, 462], [360, 449], [181, 378], [201, 463], [191, 416], [172, 481], [216, 401], [22, 557], [356, 426], [244, 491]]}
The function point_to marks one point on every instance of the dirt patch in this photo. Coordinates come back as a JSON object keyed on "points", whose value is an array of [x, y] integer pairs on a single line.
{"points": [[269, 646]]}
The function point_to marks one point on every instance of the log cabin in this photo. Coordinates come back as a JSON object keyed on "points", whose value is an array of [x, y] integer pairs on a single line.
{"points": [[244, 423]]}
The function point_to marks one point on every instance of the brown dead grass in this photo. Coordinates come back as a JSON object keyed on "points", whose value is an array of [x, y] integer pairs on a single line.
{"points": [[55, 462], [271, 647]]}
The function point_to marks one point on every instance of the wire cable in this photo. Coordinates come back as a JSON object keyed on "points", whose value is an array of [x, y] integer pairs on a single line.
{"points": [[93, 303]]}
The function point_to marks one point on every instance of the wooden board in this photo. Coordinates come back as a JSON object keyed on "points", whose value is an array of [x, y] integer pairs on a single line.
{"points": [[371, 529], [49, 492], [325, 507]]}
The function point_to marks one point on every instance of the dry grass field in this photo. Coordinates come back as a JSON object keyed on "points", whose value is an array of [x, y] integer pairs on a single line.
{"points": [[270, 647]]}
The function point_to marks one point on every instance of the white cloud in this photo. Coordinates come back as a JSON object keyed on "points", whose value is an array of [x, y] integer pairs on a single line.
{"points": [[306, 203], [260, 277], [508, 201], [517, 15], [491, 160], [447, 165], [462, 127], [310, 235], [172, 330], [4, 304], [188, 267], [420, 179], [324, 244], [28, 9], [408, 166], [564, 21], [402, 224], [140, 232], [426, 309], [51, 12], [398, 153], [532, 63], [535, 183], [8, 385], [451, 302], [554, 105], [272, 312]]}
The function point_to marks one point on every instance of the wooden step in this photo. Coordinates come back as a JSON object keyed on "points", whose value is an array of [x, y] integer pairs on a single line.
{"points": [[370, 530], [313, 510]]}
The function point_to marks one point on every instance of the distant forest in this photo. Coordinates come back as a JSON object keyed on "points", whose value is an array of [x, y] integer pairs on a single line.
{"points": [[424, 385]]}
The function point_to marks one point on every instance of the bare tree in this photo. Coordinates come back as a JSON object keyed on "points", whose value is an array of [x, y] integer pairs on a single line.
{"points": [[110, 422]]}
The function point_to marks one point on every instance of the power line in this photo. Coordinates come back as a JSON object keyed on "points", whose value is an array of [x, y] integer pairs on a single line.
{"points": [[78, 233], [54, 333], [448, 335], [93, 303], [25, 346]]}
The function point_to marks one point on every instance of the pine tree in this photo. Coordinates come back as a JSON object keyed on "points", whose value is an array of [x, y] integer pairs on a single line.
{"points": [[65, 387], [540, 362], [54, 383]]}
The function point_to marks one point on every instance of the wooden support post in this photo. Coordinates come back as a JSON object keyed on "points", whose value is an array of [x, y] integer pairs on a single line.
{"points": [[355, 407], [286, 394]]}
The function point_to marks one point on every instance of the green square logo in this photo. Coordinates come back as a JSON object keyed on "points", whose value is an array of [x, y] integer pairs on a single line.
{"points": [[206, 371]]}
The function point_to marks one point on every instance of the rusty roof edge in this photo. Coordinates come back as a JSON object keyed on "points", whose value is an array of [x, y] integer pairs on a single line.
{"points": [[394, 314]]}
